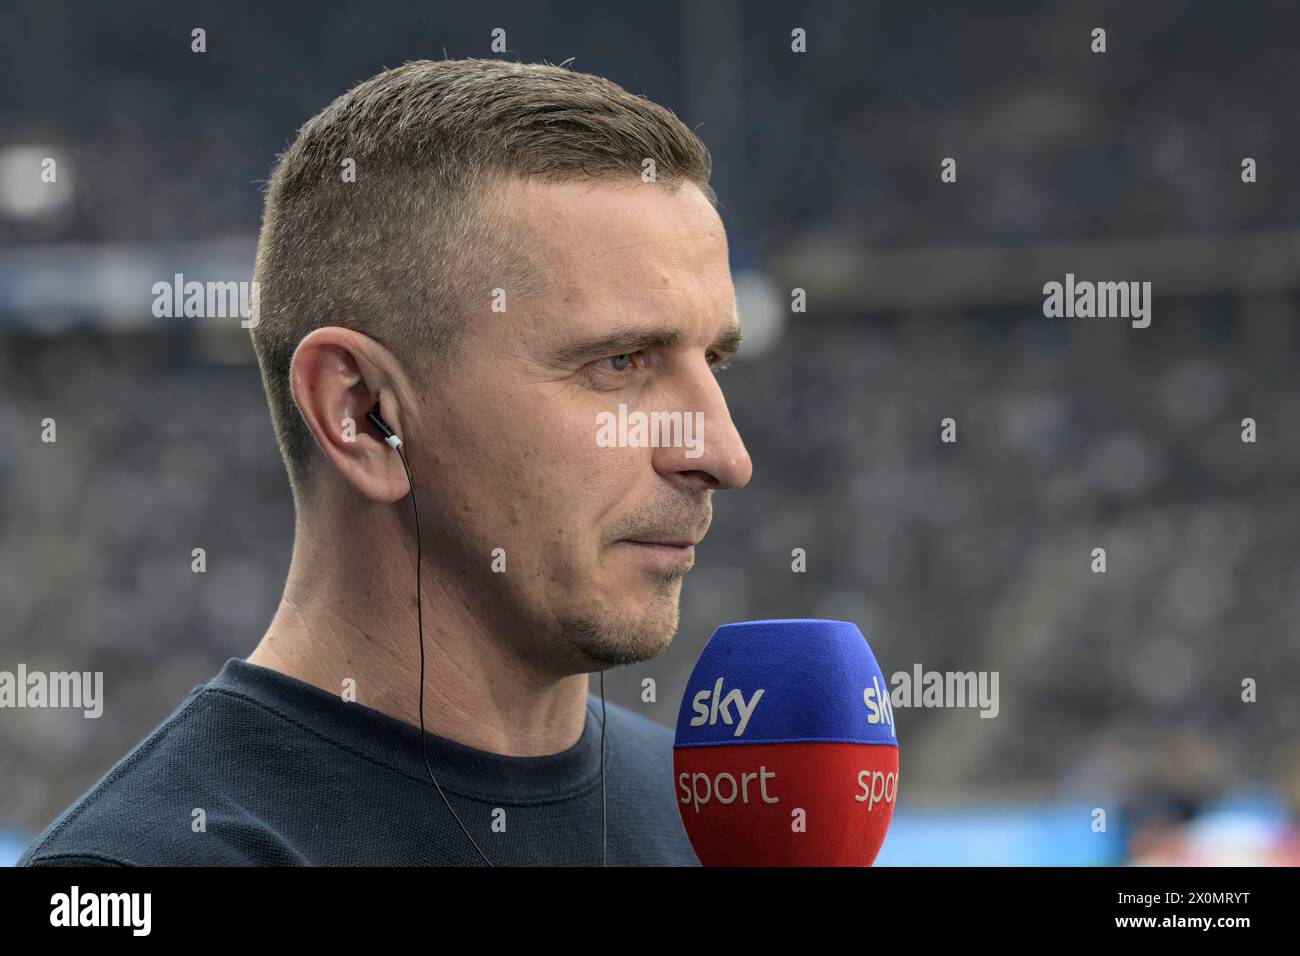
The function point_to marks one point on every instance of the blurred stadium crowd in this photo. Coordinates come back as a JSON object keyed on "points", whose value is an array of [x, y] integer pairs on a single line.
{"points": [[1119, 690]]}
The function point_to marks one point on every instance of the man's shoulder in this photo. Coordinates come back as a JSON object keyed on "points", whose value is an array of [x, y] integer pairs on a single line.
{"points": [[637, 732], [204, 787], [641, 784], [154, 805], [640, 754]]}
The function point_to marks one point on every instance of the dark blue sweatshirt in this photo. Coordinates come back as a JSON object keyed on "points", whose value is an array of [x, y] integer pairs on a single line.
{"points": [[256, 768]]}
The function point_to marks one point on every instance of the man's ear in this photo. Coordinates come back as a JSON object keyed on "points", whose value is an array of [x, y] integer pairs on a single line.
{"points": [[337, 376]]}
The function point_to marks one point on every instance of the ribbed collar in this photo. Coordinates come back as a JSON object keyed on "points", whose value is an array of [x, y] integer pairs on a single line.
{"points": [[379, 737]]}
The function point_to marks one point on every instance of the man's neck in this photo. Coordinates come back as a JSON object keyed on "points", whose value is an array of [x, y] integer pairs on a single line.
{"points": [[356, 628]]}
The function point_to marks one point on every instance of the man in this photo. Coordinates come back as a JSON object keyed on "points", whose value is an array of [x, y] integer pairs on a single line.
{"points": [[493, 257]]}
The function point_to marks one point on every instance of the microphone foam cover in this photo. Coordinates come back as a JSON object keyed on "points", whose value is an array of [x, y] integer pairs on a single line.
{"points": [[785, 753]]}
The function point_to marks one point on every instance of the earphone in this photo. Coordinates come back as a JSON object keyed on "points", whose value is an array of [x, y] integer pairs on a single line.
{"points": [[395, 443]]}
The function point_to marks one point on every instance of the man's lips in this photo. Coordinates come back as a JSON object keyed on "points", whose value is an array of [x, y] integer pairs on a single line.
{"points": [[665, 551], [665, 542]]}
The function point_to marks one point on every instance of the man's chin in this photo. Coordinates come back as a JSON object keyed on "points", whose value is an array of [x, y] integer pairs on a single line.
{"points": [[613, 640]]}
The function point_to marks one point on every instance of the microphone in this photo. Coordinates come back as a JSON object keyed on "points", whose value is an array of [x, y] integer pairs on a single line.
{"points": [[786, 753]]}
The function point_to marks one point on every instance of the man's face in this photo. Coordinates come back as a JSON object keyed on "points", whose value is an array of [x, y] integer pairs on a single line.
{"points": [[526, 448]]}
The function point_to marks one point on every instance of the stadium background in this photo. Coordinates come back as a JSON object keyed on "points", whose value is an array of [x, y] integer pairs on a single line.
{"points": [[1119, 690]]}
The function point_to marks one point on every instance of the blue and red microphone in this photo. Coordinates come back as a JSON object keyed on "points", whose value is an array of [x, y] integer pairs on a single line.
{"points": [[786, 753]]}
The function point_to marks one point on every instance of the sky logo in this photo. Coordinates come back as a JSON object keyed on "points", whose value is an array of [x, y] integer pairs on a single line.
{"points": [[880, 710], [706, 713]]}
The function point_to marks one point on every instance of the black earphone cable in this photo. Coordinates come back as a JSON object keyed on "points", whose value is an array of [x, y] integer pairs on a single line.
{"points": [[604, 815], [419, 616], [396, 444]]}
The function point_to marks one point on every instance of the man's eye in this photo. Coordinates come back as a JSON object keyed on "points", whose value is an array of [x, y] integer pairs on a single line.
{"points": [[636, 360], [621, 363]]}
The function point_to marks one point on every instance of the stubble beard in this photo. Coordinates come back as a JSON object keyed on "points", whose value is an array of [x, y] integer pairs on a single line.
{"points": [[604, 639]]}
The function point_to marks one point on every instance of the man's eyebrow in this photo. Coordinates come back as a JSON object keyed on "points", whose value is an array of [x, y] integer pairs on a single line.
{"points": [[628, 339], [729, 340]]}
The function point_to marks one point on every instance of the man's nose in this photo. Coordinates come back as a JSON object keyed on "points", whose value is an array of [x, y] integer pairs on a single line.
{"points": [[710, 453]]}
